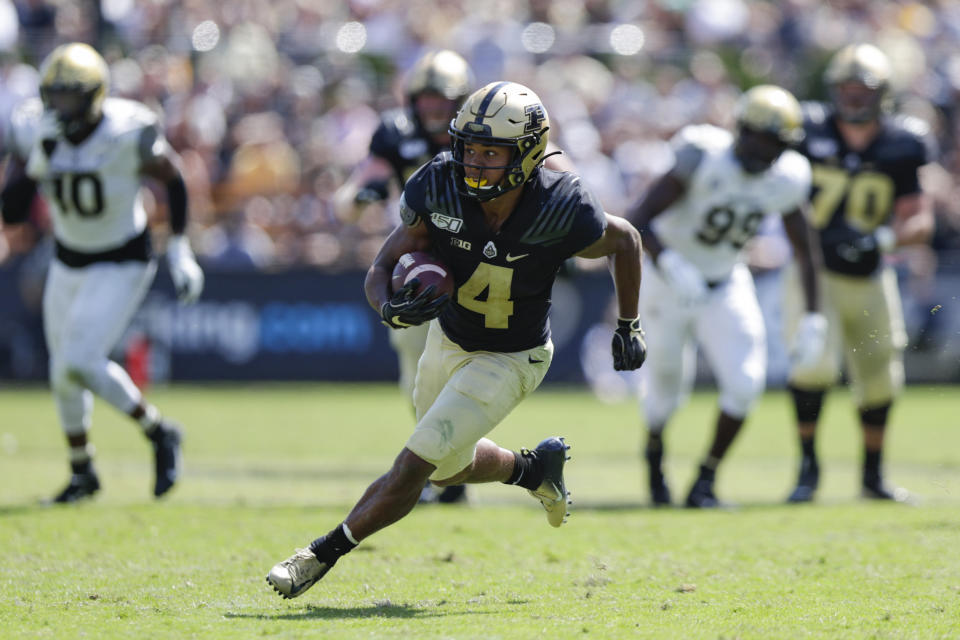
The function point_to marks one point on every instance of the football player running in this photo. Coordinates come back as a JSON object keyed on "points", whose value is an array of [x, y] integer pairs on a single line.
{"points": [[504, 225], [866, 202], [695, 221], [88, 153], [406, 139]]}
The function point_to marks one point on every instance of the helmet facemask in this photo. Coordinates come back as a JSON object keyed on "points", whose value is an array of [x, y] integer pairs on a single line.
{"points": [[857, 102], [74, 107], [769, 121], [756, 151], [506, 115]]}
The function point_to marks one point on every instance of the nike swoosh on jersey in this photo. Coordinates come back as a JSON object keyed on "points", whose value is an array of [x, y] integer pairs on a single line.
{"points": [[511, 258], [533, 360]]}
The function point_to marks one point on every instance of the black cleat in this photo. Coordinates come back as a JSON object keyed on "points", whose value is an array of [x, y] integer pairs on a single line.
{"points": [[80, 487], [807, 482], [166, 452], [873, 488], [552, 492], [701, 494], [659, 491], [454, 494]]}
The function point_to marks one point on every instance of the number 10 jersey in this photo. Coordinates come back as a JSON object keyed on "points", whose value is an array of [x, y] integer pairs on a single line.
{"points": [[93, 188]]}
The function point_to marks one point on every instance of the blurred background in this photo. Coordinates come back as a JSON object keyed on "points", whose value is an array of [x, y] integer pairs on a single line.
{"points": [[272, 104]]}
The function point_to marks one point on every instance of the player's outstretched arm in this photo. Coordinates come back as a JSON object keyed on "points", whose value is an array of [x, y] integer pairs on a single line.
{"points": [[806, 253], [160, 162], [621, 242], [665, 190], [368, 183], [809, 339], [913, 220], [17, 191], [685, 279]]}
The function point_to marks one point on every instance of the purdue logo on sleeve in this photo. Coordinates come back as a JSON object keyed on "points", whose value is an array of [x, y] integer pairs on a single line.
{"points": [[407, 215]]}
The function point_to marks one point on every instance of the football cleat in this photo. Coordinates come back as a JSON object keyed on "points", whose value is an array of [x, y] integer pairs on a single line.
{"points": [[297, 573], [807, 481], [80, 487], [454, 494], [873, 488], [659, 491], [166, 452], [432, 494], [552, 493], [701, 494]]}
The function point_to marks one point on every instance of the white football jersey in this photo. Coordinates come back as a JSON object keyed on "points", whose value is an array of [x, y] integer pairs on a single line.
{"points": [[93, 189], [724, 205]]}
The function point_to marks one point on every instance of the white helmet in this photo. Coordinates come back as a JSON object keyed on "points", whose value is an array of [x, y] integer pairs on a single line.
{"points": [[501, 114]]}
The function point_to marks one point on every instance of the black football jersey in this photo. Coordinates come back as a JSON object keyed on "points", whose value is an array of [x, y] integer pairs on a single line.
{"points": [[854, 192], [402, 143], [503, 279]]}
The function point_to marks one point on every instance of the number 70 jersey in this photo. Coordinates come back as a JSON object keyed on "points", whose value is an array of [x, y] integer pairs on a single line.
{"points": [[724, 205], [93, 188]]}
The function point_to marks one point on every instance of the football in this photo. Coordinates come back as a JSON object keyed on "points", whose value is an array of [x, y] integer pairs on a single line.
{"points": [[427, 269]]}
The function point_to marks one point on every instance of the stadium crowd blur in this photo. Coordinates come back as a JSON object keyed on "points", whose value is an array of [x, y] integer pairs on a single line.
{"points": [[271, 104]]}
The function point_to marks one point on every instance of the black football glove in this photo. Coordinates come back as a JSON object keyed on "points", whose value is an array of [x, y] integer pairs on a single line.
{"points": [[629, 349], [373, 191], [408, 310]]}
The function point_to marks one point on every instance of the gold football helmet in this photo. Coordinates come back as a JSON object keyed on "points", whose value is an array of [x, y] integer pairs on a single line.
{"points": [[858, 78], [74, 81], [769, 120], [445, 74], [503, 114], [769, 109]]}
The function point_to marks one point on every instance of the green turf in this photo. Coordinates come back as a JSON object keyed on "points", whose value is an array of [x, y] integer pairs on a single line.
{"points": [[271, 467]]}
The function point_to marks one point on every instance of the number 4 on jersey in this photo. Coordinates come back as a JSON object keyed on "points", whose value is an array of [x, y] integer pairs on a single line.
{"points": [[497, 307]]}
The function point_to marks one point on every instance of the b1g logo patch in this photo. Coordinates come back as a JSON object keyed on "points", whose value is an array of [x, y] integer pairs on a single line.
{"points": [[535, 117], [446, 223]]}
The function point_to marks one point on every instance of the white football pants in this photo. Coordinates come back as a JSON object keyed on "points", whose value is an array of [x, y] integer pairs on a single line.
{"points": [[461, 396], [85, 312], [727, 325]]}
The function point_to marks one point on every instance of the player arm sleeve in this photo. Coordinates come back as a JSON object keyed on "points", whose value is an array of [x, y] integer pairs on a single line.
{"points": [[687, 157], [923, 151], [589, 223], [155, 154], [795, 191], [16, 198]]}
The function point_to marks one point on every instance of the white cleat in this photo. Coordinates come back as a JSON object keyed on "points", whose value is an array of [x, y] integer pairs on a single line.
{"points": [[297, 573]]}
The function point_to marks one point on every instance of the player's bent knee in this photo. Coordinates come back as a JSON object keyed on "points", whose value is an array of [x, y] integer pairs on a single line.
{"points": [[739, 398], [410, 469], [457, 478], [819, 376]]}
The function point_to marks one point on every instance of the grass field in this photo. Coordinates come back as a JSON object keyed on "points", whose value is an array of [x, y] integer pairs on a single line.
{"points": [[271, 467]]}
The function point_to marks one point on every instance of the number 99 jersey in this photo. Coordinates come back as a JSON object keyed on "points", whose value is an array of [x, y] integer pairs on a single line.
{"points": [[854, 191], [724, 205], [93, 188]]}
